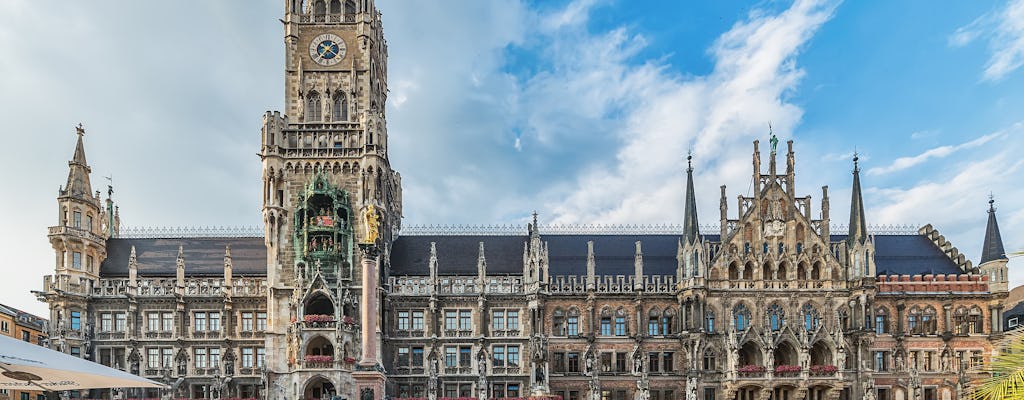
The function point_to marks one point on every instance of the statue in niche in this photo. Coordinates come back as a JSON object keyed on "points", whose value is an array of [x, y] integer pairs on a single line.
{"points": [[691, 388], [372, 220]]}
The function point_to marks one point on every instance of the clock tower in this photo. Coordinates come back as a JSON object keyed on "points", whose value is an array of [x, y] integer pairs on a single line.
{"points": [[331, 203]]}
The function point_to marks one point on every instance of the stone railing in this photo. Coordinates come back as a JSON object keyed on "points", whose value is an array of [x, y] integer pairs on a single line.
{"points": [[167, 287], [571, 284], [82, 233], [505, 333], [458, 285], [409, 286]]}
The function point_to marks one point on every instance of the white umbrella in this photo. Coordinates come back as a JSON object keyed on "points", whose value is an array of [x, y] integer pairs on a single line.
{"points": [[25, 366]]}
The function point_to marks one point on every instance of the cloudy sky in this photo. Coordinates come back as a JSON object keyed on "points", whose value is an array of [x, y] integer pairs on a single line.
{"points": [[582, 110]]}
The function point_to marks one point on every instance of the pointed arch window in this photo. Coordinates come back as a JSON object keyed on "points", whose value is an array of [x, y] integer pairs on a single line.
{"points": [[709, 360], [914, 320], [340, 111], [335, 6], [811, 318], [776, 317], [620, 322], [928, 321], [881, 321], [558, 323], [960, 320], [653, 322], [666, 321], [313, 110], [709, 321], [319, 7], [741, 317], [572, 322], [695, 260]]}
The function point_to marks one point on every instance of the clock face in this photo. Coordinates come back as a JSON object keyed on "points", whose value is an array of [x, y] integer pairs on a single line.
{"points": [[327, 49]]}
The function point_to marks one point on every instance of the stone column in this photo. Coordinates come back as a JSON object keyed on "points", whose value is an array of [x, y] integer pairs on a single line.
{"points": [[369, 375], [368, 311]]}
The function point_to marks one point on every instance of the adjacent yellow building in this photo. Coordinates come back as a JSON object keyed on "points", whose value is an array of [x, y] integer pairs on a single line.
{"points": [[30, 328]]}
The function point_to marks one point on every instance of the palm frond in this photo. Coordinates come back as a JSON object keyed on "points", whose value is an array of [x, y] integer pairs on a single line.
{"points": [[1006, 380]]}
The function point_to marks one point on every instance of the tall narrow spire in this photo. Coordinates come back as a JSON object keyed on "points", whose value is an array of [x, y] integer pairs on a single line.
{"points": [[858, 223], [78, 173], [690, 226], [992, 249]]}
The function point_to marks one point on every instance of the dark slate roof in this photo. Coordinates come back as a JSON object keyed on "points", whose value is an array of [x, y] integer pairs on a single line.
{"points": [[203, 256], [908, 255], [457, 255], [614, 254], [992, 249]]}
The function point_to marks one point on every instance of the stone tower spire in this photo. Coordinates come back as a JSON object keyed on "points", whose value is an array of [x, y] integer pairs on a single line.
{"points": [[78, 174], [690, 225], [992, 249], [993, 255], [858, 222]]}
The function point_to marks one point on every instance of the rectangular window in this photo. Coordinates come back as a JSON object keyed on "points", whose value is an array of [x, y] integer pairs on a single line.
{"points": [[417, 320], [88, 263], [26, 336], [573, 326], [451, 320], [558, 362], [88, 222], [465, 356], [710, 323], [153, 321], [498, 320], [77, 220], [620, 326], [498, 356], [606, 326], [606, 362], [153, 357], [214, 357], [512, 319], [167, 322], [880, 324], [465, 320], [247, 322], [76, 260], [214, 321], [652, 362], [513, 356], [247, 357], [76, 320], [883, 393], [261, 321], [404, 321], [200, 323], [573, 362], [620, 362], [652, 326], [166, 355], [451, 357], [120, 322], [709, 394], [402, 358], [106, 322], [1012, 323], [261, 355], [199, 357], [417, 356], [76, 351], [667, 363], [881, 361]]}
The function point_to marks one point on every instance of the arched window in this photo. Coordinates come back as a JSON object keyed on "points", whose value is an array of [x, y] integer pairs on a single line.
{"points": [[620, 322], [666, 321], [606, 322], [340, 112], [313, 112], [350, 7], [734, 271], [572, 322], [844, 319], [709, 321], [766, 271], [319, 7], [558, 322], [960, 320], [776, 317], [881, 321], [928, 321], [741, 317], [974, 324], [696, 263], [653, 322], [335, 6], [914, 320], [709, 360], [811, 318]]}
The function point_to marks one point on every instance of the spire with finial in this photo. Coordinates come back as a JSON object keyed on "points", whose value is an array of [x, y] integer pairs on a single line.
{"points": [[992, 249], [690, 226], [78, 174], [858, 222]]}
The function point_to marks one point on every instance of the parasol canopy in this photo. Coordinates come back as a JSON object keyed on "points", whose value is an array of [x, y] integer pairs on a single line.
{"points": [[25, 366]]}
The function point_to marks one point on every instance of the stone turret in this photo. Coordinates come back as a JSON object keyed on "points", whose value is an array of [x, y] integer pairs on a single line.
{"points": [[993, 255]]}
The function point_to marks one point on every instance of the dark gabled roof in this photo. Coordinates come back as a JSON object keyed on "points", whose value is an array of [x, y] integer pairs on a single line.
{"points": [[908, 255], [203, 256], [614, 254], [457, 255]]}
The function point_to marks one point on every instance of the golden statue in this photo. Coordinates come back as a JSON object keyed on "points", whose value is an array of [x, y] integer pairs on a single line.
{"points": [[372, 223]]}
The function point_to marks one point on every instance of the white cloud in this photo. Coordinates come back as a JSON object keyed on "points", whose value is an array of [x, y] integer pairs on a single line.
{"points": [[903, 163], [1005, 31]]}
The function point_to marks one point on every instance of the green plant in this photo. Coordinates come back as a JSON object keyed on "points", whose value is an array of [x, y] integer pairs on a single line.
{"points": [[1007, 371]]}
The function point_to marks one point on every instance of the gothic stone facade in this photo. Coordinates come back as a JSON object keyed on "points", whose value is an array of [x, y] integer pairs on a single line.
{"points": [[330, 302]]}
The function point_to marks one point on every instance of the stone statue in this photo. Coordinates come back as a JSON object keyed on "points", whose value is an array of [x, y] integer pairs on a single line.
{"points": [[589, 364], [372, 220], [691, 388], [538, 374]]}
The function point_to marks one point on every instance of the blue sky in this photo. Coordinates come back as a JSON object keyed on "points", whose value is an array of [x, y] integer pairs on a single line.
{"points": [[581, 110]]}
